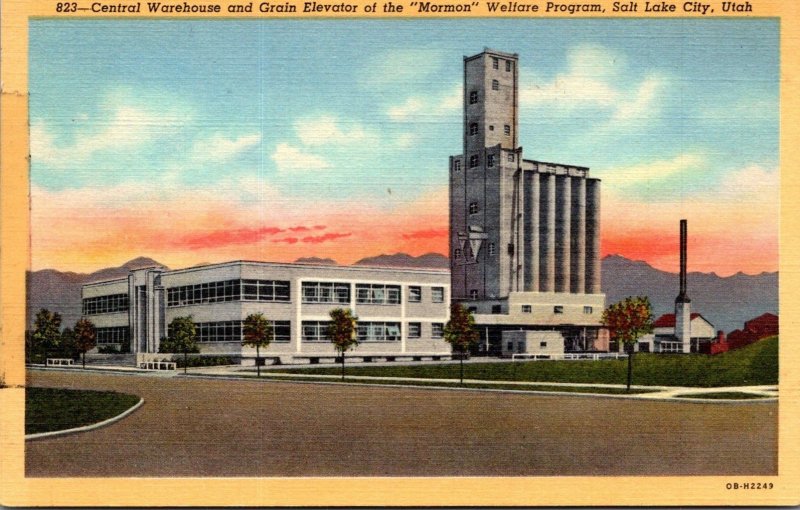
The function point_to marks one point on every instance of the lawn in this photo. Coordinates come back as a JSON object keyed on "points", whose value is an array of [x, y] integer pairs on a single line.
{"points": [[49, 409], [756, 364]]}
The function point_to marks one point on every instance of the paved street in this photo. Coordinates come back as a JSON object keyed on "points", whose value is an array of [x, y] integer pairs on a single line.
{"points": [[204, 427]]}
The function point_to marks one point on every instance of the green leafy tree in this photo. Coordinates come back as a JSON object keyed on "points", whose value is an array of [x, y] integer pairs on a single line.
{"points": [[258, 333], [460, 332], [85, 337], [183, 338], [342, 331], [67, 345], [46, 332], [627, 321]]}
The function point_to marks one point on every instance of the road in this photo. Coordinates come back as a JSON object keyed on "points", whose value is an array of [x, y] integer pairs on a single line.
{"points": [[204, 427]]}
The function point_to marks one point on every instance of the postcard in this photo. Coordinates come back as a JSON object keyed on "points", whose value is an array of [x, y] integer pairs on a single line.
{"points": [[398, 253]]}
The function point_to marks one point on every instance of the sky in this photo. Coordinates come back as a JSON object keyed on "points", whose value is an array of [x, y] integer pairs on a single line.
{"points": [[205, 141]]}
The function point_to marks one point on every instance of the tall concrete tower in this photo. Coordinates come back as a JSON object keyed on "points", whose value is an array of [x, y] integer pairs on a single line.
{"points": [[524, 234]]}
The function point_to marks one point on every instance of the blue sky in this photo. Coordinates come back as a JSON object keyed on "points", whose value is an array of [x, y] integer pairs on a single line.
{"points": [[265, 113]]}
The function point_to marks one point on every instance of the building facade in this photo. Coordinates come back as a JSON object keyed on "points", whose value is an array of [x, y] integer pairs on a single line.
{"points": [[402, 312], [524, 234]]}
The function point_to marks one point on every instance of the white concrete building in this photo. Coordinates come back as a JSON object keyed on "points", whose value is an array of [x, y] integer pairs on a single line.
{"points": [[402, 312]]}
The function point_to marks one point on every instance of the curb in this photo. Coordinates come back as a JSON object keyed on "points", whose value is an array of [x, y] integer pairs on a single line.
{"points": [[113, 419]]}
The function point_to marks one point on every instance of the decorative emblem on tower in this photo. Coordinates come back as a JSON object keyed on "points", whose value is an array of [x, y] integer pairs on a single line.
{"points": [[470, 244]]}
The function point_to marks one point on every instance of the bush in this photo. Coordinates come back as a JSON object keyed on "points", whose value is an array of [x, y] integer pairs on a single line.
{"points": [[206, 361]]}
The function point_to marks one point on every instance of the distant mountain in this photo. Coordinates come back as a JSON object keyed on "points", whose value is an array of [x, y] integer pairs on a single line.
{"points": [[316, 260], [725, 301], [61, 292], [428, 260]]}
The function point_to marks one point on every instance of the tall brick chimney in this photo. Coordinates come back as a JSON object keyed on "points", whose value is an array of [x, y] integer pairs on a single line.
{"points": [[683, 306]]}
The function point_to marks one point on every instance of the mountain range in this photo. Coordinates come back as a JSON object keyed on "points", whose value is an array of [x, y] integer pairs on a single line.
{"points": [[725, 301]]}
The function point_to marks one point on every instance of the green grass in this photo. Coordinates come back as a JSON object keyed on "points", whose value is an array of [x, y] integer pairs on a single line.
{"points": [[756, 364], [722, 395], [49, 409]]}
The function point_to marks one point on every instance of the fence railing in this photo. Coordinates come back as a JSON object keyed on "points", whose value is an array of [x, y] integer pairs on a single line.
{"points": [[569, 356]]}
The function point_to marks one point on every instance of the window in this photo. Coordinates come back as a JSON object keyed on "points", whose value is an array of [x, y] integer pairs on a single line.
{"points": [[491, 127], [558, 309], [414, 330], [542, 344], [473, 294], [527, 309], [437, 294], [377, 294], [495, 85], [473, 129], [587, 310], [473, 161], [378, 331], [472, 309], [114, 335], [473, 208], [457, 165], [326, 292], [457, 253], [437, 330], [414, 294], [510, 346], [315, 331], [229, 290], [496, 309], [105, 304], [473, 97], [510, 157], [495, 63], [508, 66], [491, 248], [490, 160], [507, 130]]}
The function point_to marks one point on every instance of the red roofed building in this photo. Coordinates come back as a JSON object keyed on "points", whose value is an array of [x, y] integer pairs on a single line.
{"points": [[664, 338]]}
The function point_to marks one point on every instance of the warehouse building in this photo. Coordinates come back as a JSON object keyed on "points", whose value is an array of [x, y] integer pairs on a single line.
{"points": [[402, 312], [524, 234]]}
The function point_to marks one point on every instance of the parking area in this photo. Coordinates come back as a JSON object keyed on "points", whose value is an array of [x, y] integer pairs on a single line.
{"points": [[205, 427]]}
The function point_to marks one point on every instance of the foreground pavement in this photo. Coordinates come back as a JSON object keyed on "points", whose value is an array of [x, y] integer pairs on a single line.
{"points": [[211, 427]]}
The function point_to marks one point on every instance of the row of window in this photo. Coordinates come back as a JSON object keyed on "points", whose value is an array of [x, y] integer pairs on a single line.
{"points": [[496, 64], [231, 331], [114, 335], [105, 304], [473, 129], [475, 160], [317, 331], [491, 250], [229, 290]]}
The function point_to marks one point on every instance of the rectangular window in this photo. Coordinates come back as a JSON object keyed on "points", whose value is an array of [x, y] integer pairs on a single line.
{"points": [[510, 157], [377, 294], [457, 165], [437, 330], [490, 160], [473, 208], [473, 97], [558, 309], [437, 294], [495, 85], [508, 66], [527, 309], [414, 294], [315, 331], [229, 290], [457, 253], [113, 335], [507, 130], [492, 249], [414, 330], [473, 161], [495, 63], [105, 304], [496, 309], [510, 346], [326, 292], [378, 331], [473, 129], [542, 344], [587, 310], [473, 294]]}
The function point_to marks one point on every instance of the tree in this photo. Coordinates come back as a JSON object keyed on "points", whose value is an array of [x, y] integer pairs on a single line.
{"points": [[85, 337], [627, 321], [258, 333], [460, 332], [342, 331], [46, 331], [183, 337]]}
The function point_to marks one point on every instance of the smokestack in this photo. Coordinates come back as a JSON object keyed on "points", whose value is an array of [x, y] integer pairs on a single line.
{"points": [[682, 297]]}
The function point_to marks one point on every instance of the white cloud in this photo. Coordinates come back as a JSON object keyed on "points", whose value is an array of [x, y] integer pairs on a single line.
{"points": [[412, 106], [289, 159], [327, 130], [642, 104], [652, 171], [416, 107], [220, 148]]}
